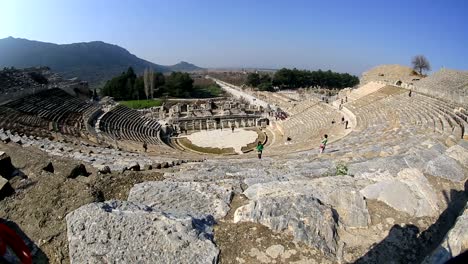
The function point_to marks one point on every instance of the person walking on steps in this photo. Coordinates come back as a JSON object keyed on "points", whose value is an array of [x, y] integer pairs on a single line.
{"points": [[145, 146], [323, 144], [259, 149]]}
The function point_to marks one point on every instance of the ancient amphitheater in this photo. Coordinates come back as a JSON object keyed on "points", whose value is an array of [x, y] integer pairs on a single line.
{"points": [[391, 188]]}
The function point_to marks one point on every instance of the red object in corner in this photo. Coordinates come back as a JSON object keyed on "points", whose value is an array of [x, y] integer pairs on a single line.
{"points": [[9, 238]]}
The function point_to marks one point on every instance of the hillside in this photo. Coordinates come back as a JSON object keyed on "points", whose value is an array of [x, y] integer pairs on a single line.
{"points": [[94, 62], [185, 67], [390, 73], [16, 83]]}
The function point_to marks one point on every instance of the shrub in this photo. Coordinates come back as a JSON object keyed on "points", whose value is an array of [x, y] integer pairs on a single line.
{"points": [[341, 169]]}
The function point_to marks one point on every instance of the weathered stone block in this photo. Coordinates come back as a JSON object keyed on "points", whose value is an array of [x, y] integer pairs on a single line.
{"points": [[125, 232], [181, 198]]}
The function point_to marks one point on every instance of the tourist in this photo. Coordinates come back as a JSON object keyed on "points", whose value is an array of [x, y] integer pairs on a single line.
{"points": [[232, 127], [410, 92], [145, 146], [323, 143], [346, 124], [259, 149], [342, 120]]}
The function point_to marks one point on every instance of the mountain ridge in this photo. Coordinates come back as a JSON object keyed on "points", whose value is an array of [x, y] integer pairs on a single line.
{"points": [[94, 61]]}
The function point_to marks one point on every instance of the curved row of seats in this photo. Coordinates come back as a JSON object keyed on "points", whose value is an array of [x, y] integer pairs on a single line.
{"points": [[299, 107], [124, 123], [48, 110], [417, 111], [13, 120], [307, 126], [389, 121], [385, 118]]}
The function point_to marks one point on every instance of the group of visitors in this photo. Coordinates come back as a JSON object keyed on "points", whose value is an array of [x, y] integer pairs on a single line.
{"points": [[280, 116]]}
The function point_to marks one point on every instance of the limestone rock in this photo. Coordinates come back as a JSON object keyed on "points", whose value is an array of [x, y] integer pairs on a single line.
{"points": [[6, 168], [5, 188], [454, 243], [445, 167], [181, 198], [388, 164], [4, 138], [463, 144], [305, 217], [459, 154], [148, 167], [418, 158], [134, 166], [125, 232], [338, 192], [104, 170], [275, 251], [17, 140], [78, 170], [409, 192]]}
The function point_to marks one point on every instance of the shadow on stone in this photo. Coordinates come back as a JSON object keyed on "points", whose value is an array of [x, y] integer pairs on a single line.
{"points": [[408, 245]]}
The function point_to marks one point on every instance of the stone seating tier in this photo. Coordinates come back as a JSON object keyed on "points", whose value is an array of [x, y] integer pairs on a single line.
{"points": [[45, 111], [124, 123]]}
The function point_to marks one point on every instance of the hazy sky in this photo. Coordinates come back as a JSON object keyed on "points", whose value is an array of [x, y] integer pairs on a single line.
{"points": [[329, 34]]}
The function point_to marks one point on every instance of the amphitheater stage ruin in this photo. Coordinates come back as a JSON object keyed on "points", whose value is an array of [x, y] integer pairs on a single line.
{"points": [[224, 139], [78, 185]]}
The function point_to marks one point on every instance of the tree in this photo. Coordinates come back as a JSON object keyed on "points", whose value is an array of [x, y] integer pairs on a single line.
{"points": [[159, 81], [152, 83], [421, 63], [179, 84], [293, 79], [253, 79], [265, 78], [266, 86], [147, 80]]}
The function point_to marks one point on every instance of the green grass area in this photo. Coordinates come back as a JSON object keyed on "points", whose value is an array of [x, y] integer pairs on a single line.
{"points": [[140, 104], [207, 91], [186, 143]]}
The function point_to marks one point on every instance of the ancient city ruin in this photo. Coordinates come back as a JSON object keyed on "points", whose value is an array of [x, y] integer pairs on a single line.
{"points": [[391, 183]]}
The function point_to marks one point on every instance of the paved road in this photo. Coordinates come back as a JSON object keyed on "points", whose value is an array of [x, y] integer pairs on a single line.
{"points": [[238, 93]]}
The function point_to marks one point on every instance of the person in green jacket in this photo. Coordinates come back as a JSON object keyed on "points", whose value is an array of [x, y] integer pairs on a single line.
{"points": [[323, 143], [259, 149]]}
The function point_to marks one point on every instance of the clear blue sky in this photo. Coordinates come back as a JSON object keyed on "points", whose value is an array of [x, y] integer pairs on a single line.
{"points": [[329, 34]]}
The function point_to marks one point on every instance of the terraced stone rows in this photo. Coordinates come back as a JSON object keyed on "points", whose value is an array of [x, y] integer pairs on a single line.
{"points": [[124, 123], [16, 121], [47, 110], [415, 110], [309, 124], [302, 106]]}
